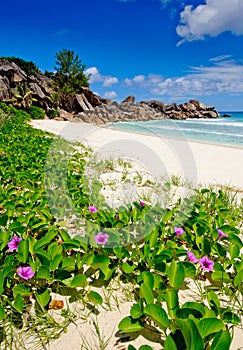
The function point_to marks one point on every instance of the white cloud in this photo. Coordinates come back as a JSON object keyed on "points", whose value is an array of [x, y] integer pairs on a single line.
{"points": [[216, 17], [221, 76], [137, 79], [219, 58], [110, 94], [109, 81], [97, 77]]}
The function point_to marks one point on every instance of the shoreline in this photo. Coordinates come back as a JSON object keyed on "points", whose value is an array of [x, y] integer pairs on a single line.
{"points": [[174, 138], [199, 162]]}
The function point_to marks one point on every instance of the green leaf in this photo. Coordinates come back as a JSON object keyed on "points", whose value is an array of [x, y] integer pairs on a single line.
{"points": [[238, 278], [4, 239], [189, 268], [145, 347], [128, 267], [3, 220], [95, 298], [146, 293], [148, 279], [175, 341], [79, 281], [135, 311], [55, 262], [128, 325], [67, 261], [43, 257], [71, 244], [191, 308], [153, 238], [172, 302], [43, 298], [206, 247], [18, 303], [213, 300], [234, 238], [234, 251], [2, 313], [130, 347], [221, 341], [220, 276], [176, 274], [23, 251], [54, 249], [100, 260], [21, 289], [157, 314], [231, 317], [191, 334], [46, 240], [208, 326], [43, 272]]}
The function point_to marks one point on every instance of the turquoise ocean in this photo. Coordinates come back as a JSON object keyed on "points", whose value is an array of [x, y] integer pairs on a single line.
{"points": [[226, 131]]}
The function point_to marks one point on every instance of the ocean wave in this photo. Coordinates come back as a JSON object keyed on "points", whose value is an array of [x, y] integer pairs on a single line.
{"points": [[197, 122], [190, 130]]}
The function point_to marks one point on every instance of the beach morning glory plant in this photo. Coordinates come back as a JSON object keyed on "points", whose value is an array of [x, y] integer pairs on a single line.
{"points": [[101, 238], [191, 257], [206, 263], [14, 243], [221, 234], [92, 209], [179, 231], [25, 272]]}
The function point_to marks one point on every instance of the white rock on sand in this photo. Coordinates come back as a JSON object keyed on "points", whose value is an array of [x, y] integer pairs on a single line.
{"points": [[197, 162]]}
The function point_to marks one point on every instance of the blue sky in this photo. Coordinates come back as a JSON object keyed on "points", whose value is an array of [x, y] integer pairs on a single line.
{"points": [[168, 50]]}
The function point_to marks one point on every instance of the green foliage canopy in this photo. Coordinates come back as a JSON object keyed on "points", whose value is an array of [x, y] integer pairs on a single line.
{"points": [[69, 76]]}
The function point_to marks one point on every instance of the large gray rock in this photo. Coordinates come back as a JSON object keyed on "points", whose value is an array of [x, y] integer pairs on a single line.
{"points": [[90, 107], [4, 89], [129, 99]]}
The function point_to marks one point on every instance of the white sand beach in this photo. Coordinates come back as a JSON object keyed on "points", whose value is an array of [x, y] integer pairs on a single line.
{"points": [[200, 163]]}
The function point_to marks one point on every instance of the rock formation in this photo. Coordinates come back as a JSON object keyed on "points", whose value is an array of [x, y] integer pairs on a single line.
{"points": [[23, 90]]}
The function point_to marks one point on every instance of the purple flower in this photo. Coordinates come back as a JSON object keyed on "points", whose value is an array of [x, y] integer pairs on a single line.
{"points": [[142, 204], [206, 263], [92, 209], [25, 272], [14, 243], [179, 231], [221, 234], [101, 238], [191, 257]]}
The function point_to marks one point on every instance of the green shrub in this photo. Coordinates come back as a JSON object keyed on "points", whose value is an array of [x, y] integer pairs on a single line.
{"points": [[36, 112], [54, 112]]}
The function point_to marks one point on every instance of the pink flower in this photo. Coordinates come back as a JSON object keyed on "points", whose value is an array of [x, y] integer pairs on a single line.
{"points": [[25, 272], [92, 209], [14, 243], [142, 204], [101, 238], [179, 231], [221, 234], [191, 257], [206, 263]]}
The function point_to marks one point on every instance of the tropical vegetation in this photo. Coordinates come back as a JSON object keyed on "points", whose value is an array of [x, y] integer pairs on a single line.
{"points": [[159, 253]]}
